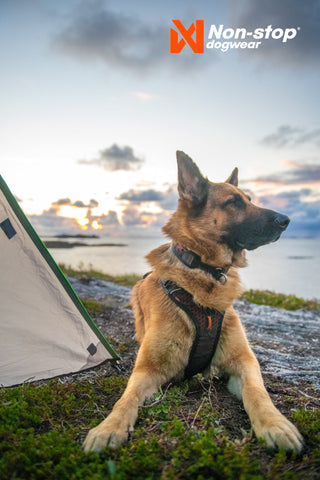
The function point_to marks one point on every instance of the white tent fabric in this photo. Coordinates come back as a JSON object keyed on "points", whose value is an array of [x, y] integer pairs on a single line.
{"points": [[44, 329]]}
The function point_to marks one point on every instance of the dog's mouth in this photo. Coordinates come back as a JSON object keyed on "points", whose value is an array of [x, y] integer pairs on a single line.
{"points": [[252, 244], [251, 236]]}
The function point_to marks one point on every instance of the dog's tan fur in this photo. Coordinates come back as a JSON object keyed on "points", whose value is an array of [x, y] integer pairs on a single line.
{"points": [[165, 332]]}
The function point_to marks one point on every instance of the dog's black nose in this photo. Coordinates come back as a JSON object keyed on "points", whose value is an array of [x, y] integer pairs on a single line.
{"points": [[282, 221]]}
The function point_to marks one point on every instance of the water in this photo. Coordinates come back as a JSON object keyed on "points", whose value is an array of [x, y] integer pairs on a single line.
{"points": [[290, 266]]}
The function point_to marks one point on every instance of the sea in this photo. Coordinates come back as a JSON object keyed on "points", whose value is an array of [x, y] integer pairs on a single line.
{"points": [[290, 266]]}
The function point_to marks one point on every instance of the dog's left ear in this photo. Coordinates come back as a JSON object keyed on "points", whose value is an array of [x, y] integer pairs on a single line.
{"points": [[233, 179], [192, 186]]}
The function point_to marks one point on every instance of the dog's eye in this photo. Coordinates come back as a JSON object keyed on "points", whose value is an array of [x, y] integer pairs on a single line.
{"points": [[235, 201]]}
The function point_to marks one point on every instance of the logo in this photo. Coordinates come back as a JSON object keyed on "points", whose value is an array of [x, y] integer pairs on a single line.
{"points": [[224, 39], [196, 45]]}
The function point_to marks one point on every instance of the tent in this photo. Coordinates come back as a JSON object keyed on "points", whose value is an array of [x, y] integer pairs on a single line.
{"points": [[45, 331]]}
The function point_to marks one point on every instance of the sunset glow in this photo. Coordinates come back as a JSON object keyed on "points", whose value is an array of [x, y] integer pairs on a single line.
{"points": [[96, 225], [79, 214], [83, 222], [146, 219]]}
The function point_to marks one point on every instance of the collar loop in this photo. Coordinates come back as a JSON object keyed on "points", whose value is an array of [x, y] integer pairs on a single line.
{"points": [[193, 260]]}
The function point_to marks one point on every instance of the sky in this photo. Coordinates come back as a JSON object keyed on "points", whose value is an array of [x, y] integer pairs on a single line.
{"points": [[94, 107]]}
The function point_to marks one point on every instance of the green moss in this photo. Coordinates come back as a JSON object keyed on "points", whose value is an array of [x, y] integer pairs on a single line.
{"points": [[308, 422], [279, 300], [112, 385], [202, 455], [43, 425], [93, 306]]}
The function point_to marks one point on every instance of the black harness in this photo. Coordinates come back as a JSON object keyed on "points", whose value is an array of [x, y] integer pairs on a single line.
{"points": [[207, 322]]}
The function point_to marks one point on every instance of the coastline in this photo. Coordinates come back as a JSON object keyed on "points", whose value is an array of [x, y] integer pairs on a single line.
{"points": [[65, 244]]}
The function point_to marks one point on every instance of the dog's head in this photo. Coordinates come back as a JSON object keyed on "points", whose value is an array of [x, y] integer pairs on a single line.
{"points": [[221, 212]]}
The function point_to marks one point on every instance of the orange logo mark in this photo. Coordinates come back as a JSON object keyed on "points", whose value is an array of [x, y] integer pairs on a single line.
{"points": [[196, 45]]}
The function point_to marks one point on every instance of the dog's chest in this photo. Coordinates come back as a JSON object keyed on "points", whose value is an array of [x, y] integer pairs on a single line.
{"points": [[207, 323]]}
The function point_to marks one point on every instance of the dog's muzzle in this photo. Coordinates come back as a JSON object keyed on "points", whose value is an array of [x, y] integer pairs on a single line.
{"points": [[252, 234], [282, 221]]}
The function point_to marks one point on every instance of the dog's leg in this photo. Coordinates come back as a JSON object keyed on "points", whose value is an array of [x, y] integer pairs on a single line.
{"points": [[267, 422], [152, 369], [115, 429]]}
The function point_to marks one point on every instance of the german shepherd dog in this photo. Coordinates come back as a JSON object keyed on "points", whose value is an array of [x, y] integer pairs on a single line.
{"points": [[216, 223]]}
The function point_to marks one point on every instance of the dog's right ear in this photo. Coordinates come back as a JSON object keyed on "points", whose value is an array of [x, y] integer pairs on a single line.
{"points": [[233, 179], [192, 186]]}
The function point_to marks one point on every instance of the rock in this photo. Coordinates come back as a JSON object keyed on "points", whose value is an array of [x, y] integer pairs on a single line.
{"points": [[99, 290], [286, 343]]}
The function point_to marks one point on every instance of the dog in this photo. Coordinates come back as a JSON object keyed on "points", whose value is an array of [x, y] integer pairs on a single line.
{"points": [[213, 226]]}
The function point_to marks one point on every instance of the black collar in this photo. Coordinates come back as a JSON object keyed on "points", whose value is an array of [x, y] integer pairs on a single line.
{"points": [[193, 260]]}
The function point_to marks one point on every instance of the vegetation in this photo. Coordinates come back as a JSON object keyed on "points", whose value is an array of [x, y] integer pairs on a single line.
{"points": [[279, 300], [92, 306], [181, 433], [195, 430], [126, 280]]}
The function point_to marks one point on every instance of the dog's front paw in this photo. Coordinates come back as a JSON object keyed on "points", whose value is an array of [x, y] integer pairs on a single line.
{"points": [[278, 432], [107, 433]]}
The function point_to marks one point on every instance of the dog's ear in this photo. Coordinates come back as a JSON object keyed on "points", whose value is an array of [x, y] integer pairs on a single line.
{"points": [[233, 179], [192, 186]]}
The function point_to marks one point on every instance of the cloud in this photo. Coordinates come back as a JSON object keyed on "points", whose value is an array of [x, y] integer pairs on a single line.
{"points": [[57, 220], [96, 33], [115, 158], [166, 200], [288, 136], [136, 214], [299, 174], [109, 219], [92, 204], [132, 216], [294, 192], [49, 223], [62, 201], [299, 206], [139, 196], [106, 221], [79, 203], [302, 50]]}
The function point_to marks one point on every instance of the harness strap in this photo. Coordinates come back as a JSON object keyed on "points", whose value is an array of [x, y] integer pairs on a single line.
{"points": [[207, 322]]}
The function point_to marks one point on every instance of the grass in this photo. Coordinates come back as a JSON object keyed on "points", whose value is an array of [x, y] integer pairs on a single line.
{"points": [[42, 427], [279, 300], [93, 306], [126, 280]]}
